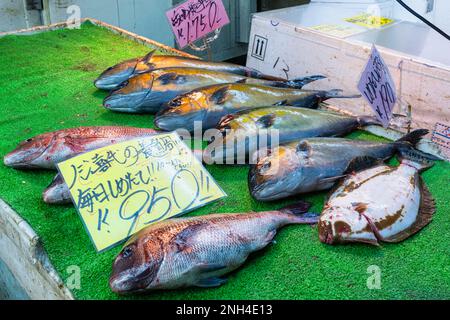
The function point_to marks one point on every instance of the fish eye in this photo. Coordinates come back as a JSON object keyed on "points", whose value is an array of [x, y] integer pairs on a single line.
{"points": [[29, 140], [127, 252], [175, 103], [123, 84]]}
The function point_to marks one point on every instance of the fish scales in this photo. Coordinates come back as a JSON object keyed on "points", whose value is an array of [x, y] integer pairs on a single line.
{"points": [[197, 251], [44, 151], [315, 164], [114, 76], [239, 132], [209, 104], [150, 91]]}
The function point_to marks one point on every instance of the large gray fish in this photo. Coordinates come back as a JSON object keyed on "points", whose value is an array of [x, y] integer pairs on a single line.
{"points": [[197, 251], [112, 77], [209, 104], [149, 91], [44, 151], [246, 132], [58, 192], [380, 204], [315, 164]]}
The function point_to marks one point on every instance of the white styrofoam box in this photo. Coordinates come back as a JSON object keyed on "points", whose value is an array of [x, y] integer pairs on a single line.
{"points": [[327, 13], [420, 6], [442, 14], [281, 44], [351, 1]]}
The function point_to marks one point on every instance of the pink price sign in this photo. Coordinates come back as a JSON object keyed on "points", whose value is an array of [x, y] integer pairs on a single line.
{"points": [[194, 19]]}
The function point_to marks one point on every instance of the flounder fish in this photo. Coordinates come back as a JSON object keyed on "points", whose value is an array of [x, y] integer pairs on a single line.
{"points": [[209, 104], [380, 204], [112, 77], [315, 164], [149, 91], [198, 251]]}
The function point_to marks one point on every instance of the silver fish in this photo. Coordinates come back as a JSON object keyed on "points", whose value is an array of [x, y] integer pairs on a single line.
{"points": [[209, 104], [380, 204], [112, 77], [242, 134], [315, 164], [197, 251], [149, 91]]}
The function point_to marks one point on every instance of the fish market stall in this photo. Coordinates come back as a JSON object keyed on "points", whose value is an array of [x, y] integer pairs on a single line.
{"points": [[48, 85]]}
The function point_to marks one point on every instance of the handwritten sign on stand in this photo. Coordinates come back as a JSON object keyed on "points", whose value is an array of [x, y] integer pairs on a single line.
{"points": [[122, 188], [378, 88], [441, 137], [194, 19]]}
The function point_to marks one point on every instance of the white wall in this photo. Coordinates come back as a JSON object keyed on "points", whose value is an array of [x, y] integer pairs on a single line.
{"points": [[13, 15], [143, 17]]}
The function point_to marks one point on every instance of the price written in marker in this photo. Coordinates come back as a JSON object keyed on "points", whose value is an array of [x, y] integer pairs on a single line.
{"points": [[378, 88], [123, 188], [441, 137], [194, 19]]}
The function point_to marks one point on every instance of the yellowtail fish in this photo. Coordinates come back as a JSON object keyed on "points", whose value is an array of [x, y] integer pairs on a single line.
{"points": [[242, 134], [149, 91], [209, 104], [112, 77], [315, 164], [198, 251], [380, 204]]}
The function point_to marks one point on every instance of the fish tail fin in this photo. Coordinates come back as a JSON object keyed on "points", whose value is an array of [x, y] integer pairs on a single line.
{"points": [[298, 213], [368, 121], [337, 93], [412, 138], [299, 83], [418, 159]]}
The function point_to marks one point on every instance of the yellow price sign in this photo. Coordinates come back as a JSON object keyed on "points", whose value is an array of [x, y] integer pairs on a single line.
{"points": [[122, 188], [369, 21], [336, 30]]}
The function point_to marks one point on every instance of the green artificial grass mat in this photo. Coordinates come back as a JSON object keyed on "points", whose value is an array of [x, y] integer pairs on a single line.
{"points": [[47, 85]]}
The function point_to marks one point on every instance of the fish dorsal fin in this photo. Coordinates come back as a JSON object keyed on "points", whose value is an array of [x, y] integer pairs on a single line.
{"points": [[168, 77], [282, 103], [427, 208], [148, 57], [266, 121], [220, 95], [244, 80], [361, 163]]}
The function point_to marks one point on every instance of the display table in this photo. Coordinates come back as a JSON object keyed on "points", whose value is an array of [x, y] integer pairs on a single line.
{"points": [[47, 85]]}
